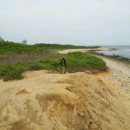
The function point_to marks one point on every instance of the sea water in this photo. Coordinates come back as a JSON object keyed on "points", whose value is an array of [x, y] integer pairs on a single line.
{"points": [[117, 50]]}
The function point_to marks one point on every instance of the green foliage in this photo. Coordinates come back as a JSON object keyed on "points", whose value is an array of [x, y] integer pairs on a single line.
{"points": [[94, 63], [76, 61], [36, 66], [8, 72], [7, 47], [5, 70], [14, 74], [76, 55], [57, 46]]}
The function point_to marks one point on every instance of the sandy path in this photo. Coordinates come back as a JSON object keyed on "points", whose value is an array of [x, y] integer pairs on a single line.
{"points": [[119, 74], [118, 66]]}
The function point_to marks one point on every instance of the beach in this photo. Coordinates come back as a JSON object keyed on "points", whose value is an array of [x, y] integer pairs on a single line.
{"points": [[118, 73], [85, 50]]}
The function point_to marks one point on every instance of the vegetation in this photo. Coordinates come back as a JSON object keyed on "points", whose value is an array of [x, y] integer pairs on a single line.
{"points": [[78, 61], [9, 48], [42, 56]]}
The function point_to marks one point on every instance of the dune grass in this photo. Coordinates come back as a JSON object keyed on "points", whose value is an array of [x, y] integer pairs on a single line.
{"points": [[15, 58], [76, 61]]}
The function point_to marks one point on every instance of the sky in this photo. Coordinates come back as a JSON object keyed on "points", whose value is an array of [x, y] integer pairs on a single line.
{"points": [[76, 22]]}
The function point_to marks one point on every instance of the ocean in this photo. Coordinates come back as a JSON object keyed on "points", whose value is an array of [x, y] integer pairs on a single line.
{"points": [[119, 51]]}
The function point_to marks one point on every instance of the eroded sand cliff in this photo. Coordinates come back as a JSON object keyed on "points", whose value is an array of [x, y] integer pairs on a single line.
{"points": [[76, 101]]}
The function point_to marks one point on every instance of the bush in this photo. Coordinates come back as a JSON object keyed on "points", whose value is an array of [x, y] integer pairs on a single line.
{"points": [[36, 66], [94, 63], [76, 61], [14, 74], [5, 70]]}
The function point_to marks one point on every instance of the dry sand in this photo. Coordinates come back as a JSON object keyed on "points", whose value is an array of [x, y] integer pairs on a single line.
{"points": [[83, 50], [72, 101]]}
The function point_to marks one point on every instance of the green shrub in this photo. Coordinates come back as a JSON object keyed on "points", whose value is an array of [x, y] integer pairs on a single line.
{"points": [[36, 66], [14, 74], [5, 70], [94, 63], [76, 61]]}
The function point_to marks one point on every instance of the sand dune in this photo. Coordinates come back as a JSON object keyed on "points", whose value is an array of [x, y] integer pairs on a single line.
{"points": [[77, 101], [72, 101]]}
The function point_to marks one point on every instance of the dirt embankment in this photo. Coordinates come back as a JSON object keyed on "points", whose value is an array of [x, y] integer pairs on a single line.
{"points": [[78, 101], [72, 101]]}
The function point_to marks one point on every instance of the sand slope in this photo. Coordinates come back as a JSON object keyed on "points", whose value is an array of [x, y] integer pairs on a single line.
{"points": [[76, 101]]}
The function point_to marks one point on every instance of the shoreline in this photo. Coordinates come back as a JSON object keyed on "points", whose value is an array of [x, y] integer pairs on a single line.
{"points": [[116, 53], [114, 57], [118, 71]]}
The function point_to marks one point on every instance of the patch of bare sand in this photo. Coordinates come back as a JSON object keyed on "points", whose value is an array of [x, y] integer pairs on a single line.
{"points": [[78, 101], [82, 50]]}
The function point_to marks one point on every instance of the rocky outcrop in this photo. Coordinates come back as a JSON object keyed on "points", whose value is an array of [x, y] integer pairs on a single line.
{"points": [[78, 101]]}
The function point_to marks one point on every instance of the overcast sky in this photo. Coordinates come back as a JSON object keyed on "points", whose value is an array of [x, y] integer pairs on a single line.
{"points": [[78, 22]]}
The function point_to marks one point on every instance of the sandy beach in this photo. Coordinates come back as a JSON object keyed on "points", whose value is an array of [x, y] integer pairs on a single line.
{"points": [[84, 50], [74, 101]]}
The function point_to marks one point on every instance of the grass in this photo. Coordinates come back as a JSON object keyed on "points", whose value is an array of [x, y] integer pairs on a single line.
{"points": [[76, 61], [10, 48], [83, 61], [15, 58]]}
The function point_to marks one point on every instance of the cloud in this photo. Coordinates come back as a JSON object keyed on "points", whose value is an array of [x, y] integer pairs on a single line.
{"points": [[65, 21]]}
